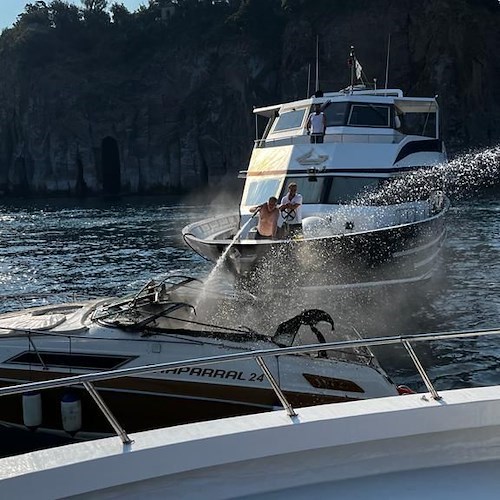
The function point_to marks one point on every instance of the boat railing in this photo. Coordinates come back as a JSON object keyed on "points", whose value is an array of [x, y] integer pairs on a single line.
{"points": [[394, 138], [87, 380]]}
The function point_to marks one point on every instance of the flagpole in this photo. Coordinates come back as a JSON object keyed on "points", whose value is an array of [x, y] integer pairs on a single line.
{"points": [[353, 64]]}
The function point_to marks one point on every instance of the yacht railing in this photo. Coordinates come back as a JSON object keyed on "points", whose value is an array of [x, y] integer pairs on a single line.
{"points": [[87, 380], [394, 138]]}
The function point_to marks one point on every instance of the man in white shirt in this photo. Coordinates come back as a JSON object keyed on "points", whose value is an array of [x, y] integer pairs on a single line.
{"points": [[316, 125], [291, 210]]}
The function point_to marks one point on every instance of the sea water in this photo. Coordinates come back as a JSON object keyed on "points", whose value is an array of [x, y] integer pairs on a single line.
{"points": [[53, 251]]}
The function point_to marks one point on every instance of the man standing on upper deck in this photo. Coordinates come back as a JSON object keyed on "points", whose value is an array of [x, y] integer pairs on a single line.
{"points": [[316, 125]]}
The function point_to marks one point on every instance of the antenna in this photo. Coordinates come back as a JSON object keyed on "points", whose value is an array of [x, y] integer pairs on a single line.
{"points": [[317, 63], [309, 81], [387, 63]]}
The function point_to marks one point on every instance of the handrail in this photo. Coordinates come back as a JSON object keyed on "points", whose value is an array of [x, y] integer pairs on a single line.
{"points": [[224, 358], [390, 136], [258, 355]]}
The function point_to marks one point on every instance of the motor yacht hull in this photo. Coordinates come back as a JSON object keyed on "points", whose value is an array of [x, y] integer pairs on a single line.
{"points": [[399, 254]]}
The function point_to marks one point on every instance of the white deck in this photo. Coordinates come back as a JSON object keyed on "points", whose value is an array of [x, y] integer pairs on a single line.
{"points": [[398, 447]]}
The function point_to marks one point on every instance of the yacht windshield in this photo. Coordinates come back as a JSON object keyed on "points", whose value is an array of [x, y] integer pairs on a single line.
{"points": [[290, 119], [346, 189], [337, 190], [259, 191], [336, 114], [369, 115], [418, 124], [357, 115], [311, 191]]}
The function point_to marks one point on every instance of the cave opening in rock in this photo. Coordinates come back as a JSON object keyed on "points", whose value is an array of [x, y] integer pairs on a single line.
{"points": [[110, 161]]}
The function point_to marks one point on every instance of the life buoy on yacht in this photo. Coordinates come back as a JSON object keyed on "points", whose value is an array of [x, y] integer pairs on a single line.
{"points": [[32, 409], [71, 412]]}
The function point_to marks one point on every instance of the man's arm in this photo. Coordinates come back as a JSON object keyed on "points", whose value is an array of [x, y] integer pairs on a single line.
{"points": [[293, 206], [254, 209]]}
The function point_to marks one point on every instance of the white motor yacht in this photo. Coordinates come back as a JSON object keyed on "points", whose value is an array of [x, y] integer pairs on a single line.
{"points": [[362, 225]]}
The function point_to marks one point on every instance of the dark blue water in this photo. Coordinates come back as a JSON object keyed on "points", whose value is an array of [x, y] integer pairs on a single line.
{"points": [[55, 251]]}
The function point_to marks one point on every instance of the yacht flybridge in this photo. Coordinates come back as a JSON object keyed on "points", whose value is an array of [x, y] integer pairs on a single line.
{"points": [[367, 216]]}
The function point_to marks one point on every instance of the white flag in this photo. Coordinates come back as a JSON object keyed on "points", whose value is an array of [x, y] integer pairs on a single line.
{"points": [[359, 69]]}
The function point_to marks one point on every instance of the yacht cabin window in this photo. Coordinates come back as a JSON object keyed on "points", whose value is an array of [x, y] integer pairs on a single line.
{"points": [[311, 191], [418, 124], [369, 115], [289, 119], [347, 189], [71, 360], [336, 114], [336, 190], [260, 190]]}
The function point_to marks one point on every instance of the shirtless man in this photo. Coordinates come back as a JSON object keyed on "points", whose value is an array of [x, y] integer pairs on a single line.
{"points": [[268, 219]]}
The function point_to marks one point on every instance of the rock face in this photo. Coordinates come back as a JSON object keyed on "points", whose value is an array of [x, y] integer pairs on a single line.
{"points": [[179, 116]]}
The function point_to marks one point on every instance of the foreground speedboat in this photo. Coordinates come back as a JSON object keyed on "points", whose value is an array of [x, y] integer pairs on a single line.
{"points": [[158, 325], [427, 445], [362, 225]]}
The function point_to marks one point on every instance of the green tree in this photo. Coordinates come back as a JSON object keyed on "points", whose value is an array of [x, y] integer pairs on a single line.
{"points": [[95, 5], [120, 13], [260, 19], [64, 16], [94, 12], [35, 13]]}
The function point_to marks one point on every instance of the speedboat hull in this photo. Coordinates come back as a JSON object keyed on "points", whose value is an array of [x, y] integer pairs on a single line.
{"points": [[155, 327]]}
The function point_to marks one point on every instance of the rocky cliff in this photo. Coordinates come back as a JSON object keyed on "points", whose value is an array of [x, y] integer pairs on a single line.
{"points": [[135, 104]]}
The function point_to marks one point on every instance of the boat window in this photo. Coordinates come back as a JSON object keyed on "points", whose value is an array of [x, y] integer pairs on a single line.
{"points": [[333, 384], [347, 189], [311, 191], [336, 114], [369, 115], [418, 124], [259, 191], [290, 119], [73, 360]]}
